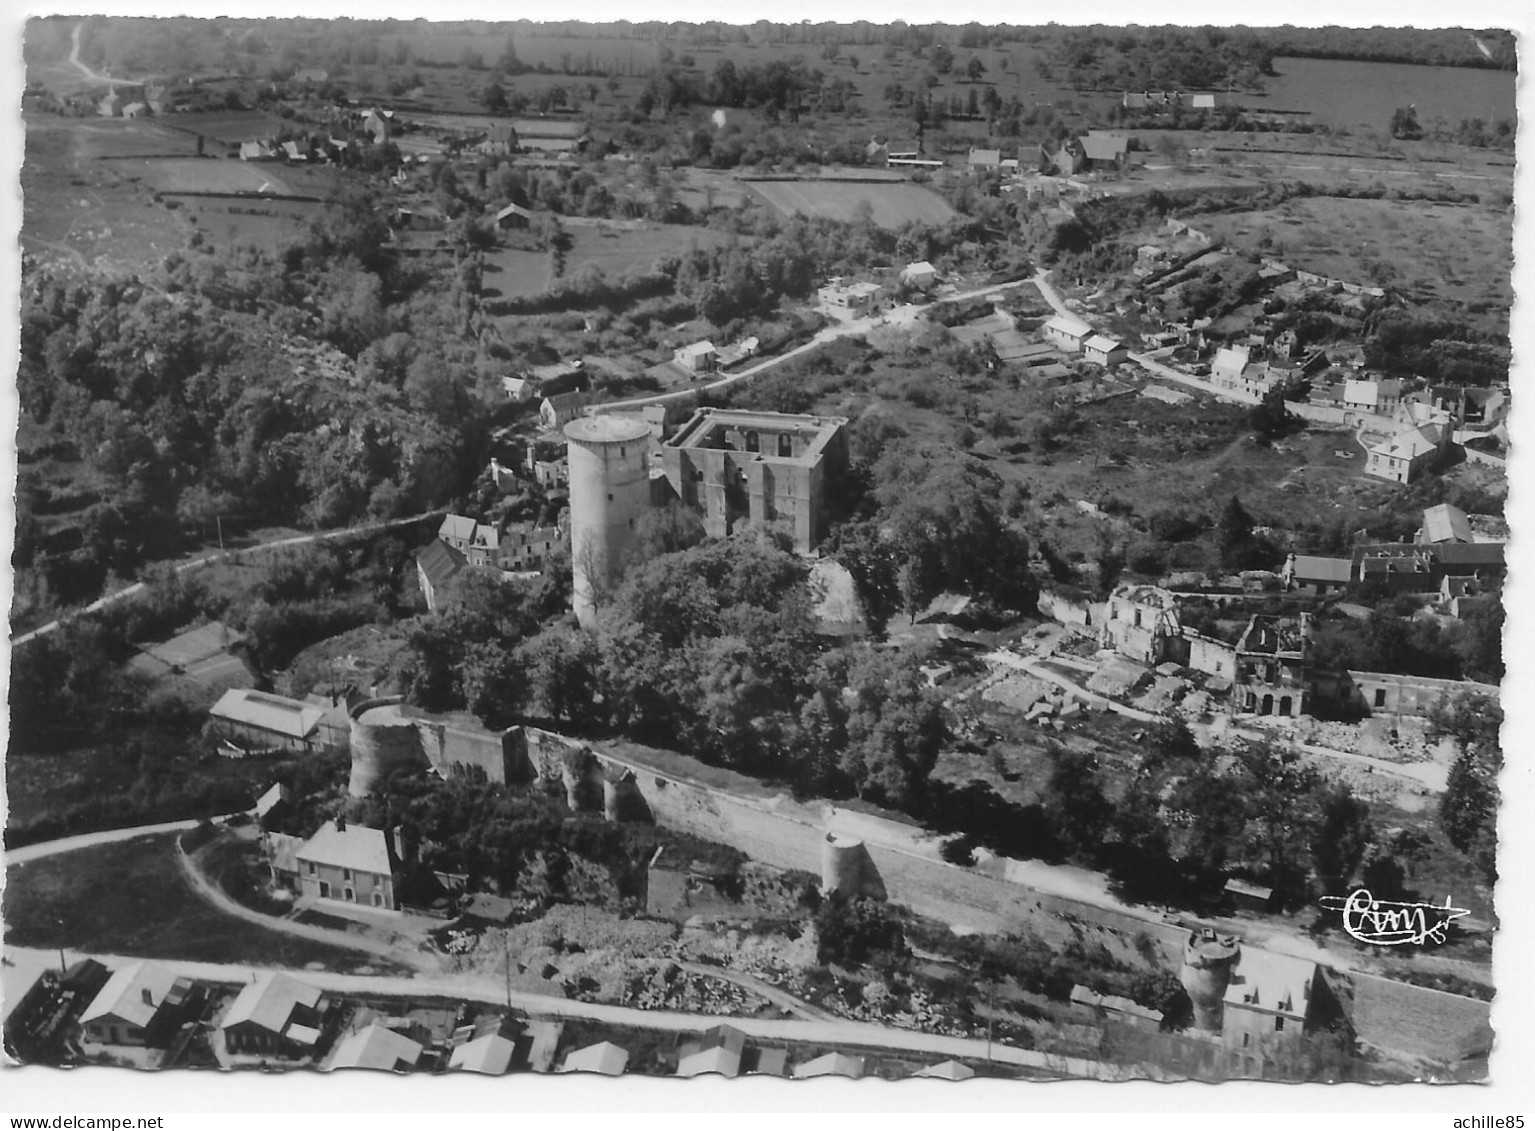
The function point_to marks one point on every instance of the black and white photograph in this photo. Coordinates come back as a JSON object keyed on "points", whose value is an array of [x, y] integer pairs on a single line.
{"points": [[763, 546]]}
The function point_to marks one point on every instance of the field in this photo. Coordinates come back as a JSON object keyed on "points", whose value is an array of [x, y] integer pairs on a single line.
{"points": [[1353, 95], [231, 128], [1456, 252], [893, 204], [131, 898]]}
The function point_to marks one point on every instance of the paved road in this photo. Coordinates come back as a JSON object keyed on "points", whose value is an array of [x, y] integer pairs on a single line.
{"points": [[23, 964], [198, 563], [900, 316]]}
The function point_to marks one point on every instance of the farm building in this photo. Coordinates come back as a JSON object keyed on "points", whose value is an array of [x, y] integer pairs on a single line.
{"points": [[436, 567], [256, 151], [1102, 152], [1246, 896], [500, 141], [351, 864], [1109, 1007], [1067, 333], [275, 1016], [378, 1048], [136, 110], [700, 357], [518, 389], [1379, 397], [258, 722], [560, 377]]}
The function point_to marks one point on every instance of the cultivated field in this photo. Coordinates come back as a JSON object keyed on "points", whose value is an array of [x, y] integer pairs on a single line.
{"points": [[231, 128], [618, 251], [194, 175], [893, 204]]}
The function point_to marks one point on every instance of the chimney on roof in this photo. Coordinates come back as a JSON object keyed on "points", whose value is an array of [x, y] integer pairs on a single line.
{"points": [[341, 823], [147, 994]]}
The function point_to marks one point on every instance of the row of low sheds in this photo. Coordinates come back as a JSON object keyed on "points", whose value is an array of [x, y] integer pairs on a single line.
{"points": [[277, 1019]]}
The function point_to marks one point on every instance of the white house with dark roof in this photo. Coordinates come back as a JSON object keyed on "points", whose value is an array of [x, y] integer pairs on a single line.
{"points": [[1267, 1000], [560, 409], [350, 864], [1409, 454]]}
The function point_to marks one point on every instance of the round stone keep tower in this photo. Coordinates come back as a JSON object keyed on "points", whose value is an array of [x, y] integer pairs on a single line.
{"points": [[609, 490], [1207, 962]]}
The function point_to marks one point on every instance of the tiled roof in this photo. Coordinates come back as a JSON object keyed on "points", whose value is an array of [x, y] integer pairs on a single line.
{"points": [[832, 1064], [1273, 982], [1336, 570], [1101, 343], [1446, 523], [1066, 324], [456, 526], [490, 1055], [441, 563], [719, 1059], [1103, 147], [356, 847], [604, 1057]]}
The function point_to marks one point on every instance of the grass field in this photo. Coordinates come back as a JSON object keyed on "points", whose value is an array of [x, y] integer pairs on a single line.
{"points": [[203, 175], [618, 251], [131, 898], [893, 204], [1350, 94], [1458, 252]]}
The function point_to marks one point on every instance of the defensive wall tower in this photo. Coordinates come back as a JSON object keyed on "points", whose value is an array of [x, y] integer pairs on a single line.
{"points": [[1207, 962], [609, 490], [841, 866], [383, 740]]}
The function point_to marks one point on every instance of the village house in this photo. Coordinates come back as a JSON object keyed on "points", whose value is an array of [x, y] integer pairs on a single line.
{"points": [[832, 1064], [718, 1051], [1066, 333], [550, 135], [560, 409], [698, 358], [860, 298], [275, 1015], [518, 389], [488, 1055], [524, 547], [436, 567], [1102, 152], [1317, 575], [1410, 454], [1103, 350], [1141, 622], [352, 864], [500, 141], [983, 160], [141, 1006], [1267, 1002], [1378, 396]]}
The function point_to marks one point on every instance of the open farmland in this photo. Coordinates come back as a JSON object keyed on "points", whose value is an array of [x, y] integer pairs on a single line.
{"points": [[893, 204], [230, 128], [616, 251], [1357, 95]]}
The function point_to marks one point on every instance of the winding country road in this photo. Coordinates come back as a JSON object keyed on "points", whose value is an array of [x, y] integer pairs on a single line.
{"points": [[210, 559]]}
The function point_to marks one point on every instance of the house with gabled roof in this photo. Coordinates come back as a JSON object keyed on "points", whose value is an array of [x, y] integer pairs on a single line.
{"points": [[983, 160], [138, 1007], [378, 1048], [1066, 333], [832, 1064], [604, 1058], [922, 275], [489, 1055], [252, 722], [1409, 454], [276, 1015], [1445, 523], [1267, 1000], [719, 1051], [436, 567], [560, 409], [514, 216], [351, 864]]}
